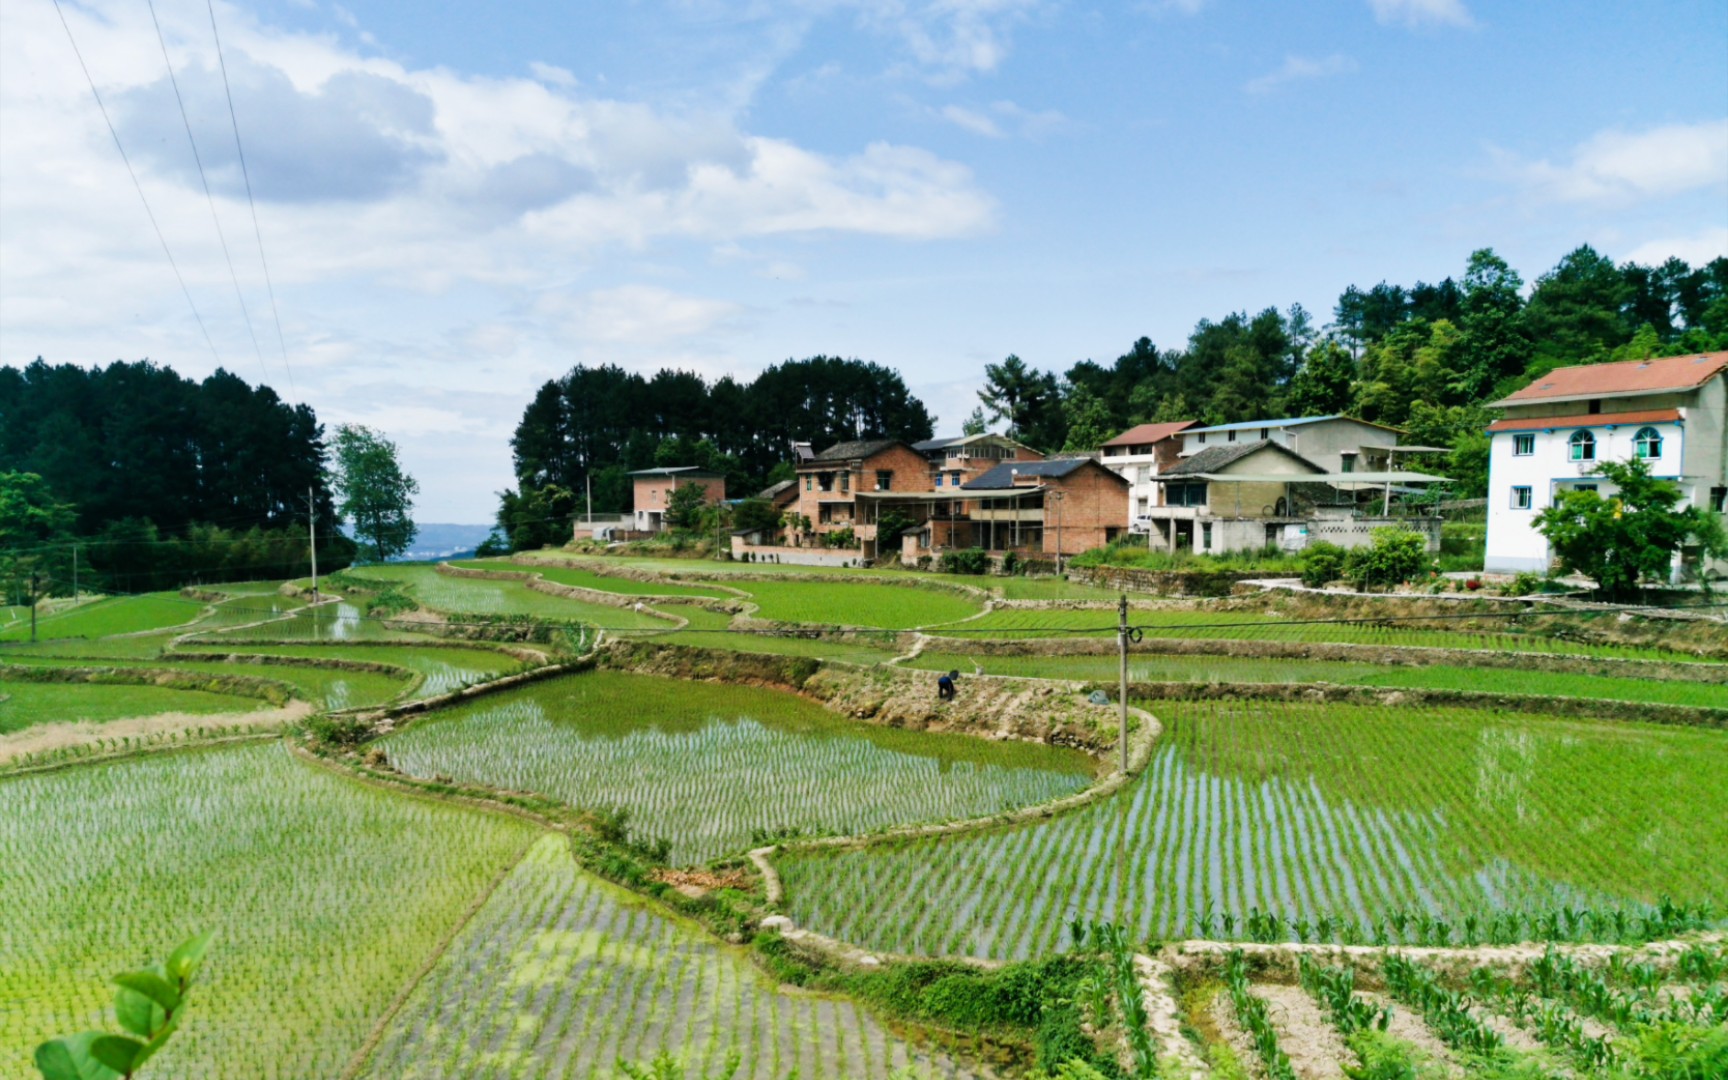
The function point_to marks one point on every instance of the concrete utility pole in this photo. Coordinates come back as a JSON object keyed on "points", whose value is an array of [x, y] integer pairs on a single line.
{"points": [[33, 586], [1057, 495], [1122, 650], [312, 540], [74, 573]]}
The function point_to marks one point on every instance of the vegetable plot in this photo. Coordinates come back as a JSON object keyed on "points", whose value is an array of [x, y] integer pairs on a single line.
{"points": [[561, 975], [1321, 822], [710, 767]]}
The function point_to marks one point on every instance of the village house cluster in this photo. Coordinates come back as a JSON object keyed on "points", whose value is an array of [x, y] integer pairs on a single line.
{"points": [[1193, 488]]}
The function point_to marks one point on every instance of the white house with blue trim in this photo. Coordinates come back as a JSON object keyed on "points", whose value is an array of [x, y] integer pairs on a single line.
{"points": [[1668, 412]]}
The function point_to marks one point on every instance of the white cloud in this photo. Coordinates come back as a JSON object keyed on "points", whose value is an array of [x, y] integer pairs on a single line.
{"points": [[1175, 7], [975, 122], [1616, 166], [552, 74], [637, 314], [1422, 12], [1698, 249], [1300, 69], [949, 39]]}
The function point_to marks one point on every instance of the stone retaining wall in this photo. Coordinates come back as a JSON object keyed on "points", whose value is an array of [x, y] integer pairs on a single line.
{"points": [[1163, 582]]}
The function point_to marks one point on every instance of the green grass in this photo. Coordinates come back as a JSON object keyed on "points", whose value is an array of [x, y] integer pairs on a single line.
{"points": [[477, 596], [561, 975], [704, 765], [1305, 811], [112, 615], [27, 704], [324, 896], [872, 605], [1032, 623], [566, 575], [1047, 588], [1224, 669]]}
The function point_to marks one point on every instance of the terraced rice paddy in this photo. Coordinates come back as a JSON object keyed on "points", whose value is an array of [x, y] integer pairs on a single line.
{"points": [[1307, 811], [587, 579], [325, 896], [561, 975], [873, 605], [113, 615], [442, 668], [706, 765], [707, 630], [1032, 623], [1223, 669], [481, 596], [26, 704]]}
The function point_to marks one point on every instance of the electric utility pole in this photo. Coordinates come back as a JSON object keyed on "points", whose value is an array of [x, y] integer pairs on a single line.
{"points": [[74, 573], [1122, 695], [312, 539], [33, 586]]}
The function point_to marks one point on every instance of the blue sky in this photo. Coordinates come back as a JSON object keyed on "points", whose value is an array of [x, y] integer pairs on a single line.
{"points": [[459, 204]]}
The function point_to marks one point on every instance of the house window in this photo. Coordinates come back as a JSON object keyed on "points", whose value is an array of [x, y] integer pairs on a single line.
{"points": [[884, 479], [846, 481], [809, 483], [1206, 535], [1264, 432], [1230, 437], [653, 495], [1584, 487], [1521, 498], [1185, 493], [1347, 463], [1719, 499], [1648, 442], [1595, 406], [1200, 439], [1145, 473], [1583, 446], [1524, 445], [954, 478], [938, 479]]}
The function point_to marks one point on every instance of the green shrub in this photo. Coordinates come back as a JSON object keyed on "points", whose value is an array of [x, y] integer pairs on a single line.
{"points": [[1396, 555], [1322, 563], [964, 561], [339, 731]]}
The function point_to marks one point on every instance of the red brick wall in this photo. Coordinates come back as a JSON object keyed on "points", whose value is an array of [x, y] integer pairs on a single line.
{"points": [[1092, 510], [911, 473]]}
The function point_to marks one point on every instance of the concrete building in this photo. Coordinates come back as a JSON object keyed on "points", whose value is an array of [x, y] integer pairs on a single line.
{"points": [[1139, 455], [653, 489], [1338, 444], [1230, 497], [1668, 412]]}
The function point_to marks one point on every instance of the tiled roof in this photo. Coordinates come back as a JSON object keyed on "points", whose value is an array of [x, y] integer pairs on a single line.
{"points": [[1626, 377], [858, 448], [1145, 434], [675, 470], [928, 445], [1002, 476], [1623, 419], [772, 490], [1217, 458], [1287, 422]]}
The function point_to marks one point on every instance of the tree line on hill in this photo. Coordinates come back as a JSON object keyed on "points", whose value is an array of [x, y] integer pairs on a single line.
{"points": [[1425, 358], [132, 478]]}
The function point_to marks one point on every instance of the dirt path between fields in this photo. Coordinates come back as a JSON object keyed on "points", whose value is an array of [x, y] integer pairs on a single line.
{"points": [[45, 738]]}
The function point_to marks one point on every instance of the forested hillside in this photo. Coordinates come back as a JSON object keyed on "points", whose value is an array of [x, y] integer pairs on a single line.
{"points": [[1422, 357], [167, 480]]}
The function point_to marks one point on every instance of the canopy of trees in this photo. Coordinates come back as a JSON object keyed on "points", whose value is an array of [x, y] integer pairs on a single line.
{"points": [[598, 424], [167, 480]]}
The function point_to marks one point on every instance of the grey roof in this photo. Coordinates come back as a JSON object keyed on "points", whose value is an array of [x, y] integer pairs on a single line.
{"points": [[1002, 476], [675, 470], [772, 490], [1217, 458], [858, 448], [927, 445]]}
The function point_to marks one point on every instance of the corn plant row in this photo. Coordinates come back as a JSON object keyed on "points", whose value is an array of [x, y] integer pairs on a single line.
{"points": [[1335, 989], [1113, 943], [1627, 996], [561, 976], [1278, 820], [711, 767], [1255, 1019], [1449, 1013], [324, 896]]}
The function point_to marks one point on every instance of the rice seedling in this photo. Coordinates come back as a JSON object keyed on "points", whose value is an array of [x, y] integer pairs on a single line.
{"points": [[326, 895], [1223, 669], [708, 766], [1308, 821], [112, 615], [457, 596], [562, 975], [26, 704], [588, 579], [871, 604], [442, 669]]}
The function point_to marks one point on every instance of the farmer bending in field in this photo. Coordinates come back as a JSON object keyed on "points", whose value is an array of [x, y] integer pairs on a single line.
{"points": [[945, 686]]}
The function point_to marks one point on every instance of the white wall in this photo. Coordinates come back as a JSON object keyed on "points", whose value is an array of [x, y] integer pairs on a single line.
{"points": [[1513, 542]]}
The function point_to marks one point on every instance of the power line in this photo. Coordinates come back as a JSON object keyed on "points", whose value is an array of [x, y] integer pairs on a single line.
{"points": [[151, 214], [208, 197], [245, 173]]}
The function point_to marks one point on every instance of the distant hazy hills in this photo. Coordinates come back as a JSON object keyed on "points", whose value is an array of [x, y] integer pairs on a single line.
{"points": [[441, 541]]}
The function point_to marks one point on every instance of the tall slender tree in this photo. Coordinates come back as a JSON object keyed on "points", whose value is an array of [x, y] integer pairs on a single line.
{"points": [[376, 495]]}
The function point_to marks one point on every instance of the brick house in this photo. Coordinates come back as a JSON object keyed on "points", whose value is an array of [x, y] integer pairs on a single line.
{"points": [[1056, 507], [957, 461], [652, 492], [830, 482], [1140, 454]]}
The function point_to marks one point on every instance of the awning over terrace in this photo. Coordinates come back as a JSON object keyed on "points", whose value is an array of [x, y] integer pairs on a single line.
{"points": [[1348, 480], [954, 495]]}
